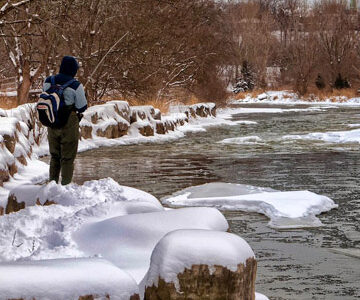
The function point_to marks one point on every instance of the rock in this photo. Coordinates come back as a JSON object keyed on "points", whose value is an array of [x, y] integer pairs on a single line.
{"points": [[200, 283], [146, 130], [200, 111], [12, 169], [2, 210], [262, 96], [22, 160], [160, 128], [157, 114], [12, 205], [94, 118], [86, 132], [10, 142], [110, 132], [4, 176], [213, 110], [169, 125], [201, 264]]}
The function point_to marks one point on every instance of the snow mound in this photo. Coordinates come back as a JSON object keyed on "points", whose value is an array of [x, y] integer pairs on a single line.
{"points": [[64, 279], [341, 137], [247, 140], [182, 249], [294, 209], [44, 232], [128, 241]]}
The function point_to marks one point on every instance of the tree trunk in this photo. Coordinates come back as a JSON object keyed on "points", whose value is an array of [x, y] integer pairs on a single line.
{"points": [[24, 85]]}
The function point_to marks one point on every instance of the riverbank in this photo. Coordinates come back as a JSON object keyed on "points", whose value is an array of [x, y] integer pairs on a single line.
{"points": [[23, 139]]}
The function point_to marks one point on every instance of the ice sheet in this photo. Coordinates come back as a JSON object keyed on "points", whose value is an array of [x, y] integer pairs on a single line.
{"points": [[293, 209]]}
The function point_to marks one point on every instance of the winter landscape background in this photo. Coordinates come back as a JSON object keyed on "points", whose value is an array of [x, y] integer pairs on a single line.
{"points": [[219, 156]]}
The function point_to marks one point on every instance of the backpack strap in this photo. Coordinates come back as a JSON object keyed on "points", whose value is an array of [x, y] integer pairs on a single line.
{"points": [[67, 84], [52, 79]]}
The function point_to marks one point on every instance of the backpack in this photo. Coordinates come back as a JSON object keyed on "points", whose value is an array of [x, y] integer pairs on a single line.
{"points": [[51, 108]]}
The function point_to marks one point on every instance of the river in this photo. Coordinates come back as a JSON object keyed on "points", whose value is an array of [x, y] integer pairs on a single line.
{"points": [[292, 264]]}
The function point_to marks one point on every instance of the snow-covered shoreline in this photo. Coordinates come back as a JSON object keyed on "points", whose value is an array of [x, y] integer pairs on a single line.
{"points": [[290, 98]]}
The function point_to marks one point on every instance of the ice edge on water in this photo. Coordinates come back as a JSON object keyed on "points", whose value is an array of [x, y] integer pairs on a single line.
{"points": [[286, 210]]}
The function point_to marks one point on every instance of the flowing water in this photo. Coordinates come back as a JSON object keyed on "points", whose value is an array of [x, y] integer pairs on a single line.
{"points": [[292, 264]]}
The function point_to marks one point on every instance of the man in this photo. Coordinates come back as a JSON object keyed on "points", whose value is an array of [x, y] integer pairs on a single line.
{"points": [[63, 142]]}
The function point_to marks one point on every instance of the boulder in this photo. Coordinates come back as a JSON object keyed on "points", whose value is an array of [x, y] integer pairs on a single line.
{"points": [[201, 264], [160, 128], [157, 114], [216, 283], [146, 130], [22, 160], [12, 169], [12, 205], [86, 132], [4, 176], [10, 142]]}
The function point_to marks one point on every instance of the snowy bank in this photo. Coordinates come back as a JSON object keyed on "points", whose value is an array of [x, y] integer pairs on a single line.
{"points": [[123, 226], [186, 263], [294, 209], [23, 138], [289, 97], [61, 279]]}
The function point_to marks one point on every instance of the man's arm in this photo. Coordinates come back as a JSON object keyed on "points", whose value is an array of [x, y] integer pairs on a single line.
{"points": [[80, 99]]}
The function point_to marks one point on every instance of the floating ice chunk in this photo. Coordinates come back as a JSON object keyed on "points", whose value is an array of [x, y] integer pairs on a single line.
{"points": [[295, 209], [242, 140], [181, 249], [128, 241], [354, 125], [259, 296], [64, 279], [342, 137]]}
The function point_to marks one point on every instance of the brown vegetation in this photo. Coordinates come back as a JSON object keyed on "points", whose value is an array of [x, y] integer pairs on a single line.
{"points": [[151, 51]]}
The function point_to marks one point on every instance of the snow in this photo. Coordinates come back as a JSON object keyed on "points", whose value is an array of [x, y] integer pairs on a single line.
{"points": [[341, 137], [181, 249], [291, 209], [128, 241], [48, 229], [247, 140], [289, 97], [259, 296], [64, 279], [8, 126]]}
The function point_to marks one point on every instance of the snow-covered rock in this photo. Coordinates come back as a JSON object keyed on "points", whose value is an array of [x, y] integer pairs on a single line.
{"points": [[262, 96], [200, 264], [293, 209], [128, 241], [61, 279]]}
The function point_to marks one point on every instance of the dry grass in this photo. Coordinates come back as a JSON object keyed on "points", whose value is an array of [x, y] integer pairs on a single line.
{"points": [[332, 94], [7, 102]]}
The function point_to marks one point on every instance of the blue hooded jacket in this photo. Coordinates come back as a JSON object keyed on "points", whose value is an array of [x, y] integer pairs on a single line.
{"points": [[74, 94]]}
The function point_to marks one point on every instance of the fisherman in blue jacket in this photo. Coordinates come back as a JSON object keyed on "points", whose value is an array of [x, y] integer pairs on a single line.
{"points": [[63, 142]]}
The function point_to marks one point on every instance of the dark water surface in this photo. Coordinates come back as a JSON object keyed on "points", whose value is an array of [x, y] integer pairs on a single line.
{"points": [[297, 264]]}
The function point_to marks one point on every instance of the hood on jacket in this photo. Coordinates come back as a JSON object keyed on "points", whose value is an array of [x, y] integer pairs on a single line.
{"points": [[69, 66]]}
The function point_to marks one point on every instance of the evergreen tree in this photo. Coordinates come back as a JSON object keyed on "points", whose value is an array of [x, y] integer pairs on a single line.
{"points": [[246, 81]]}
